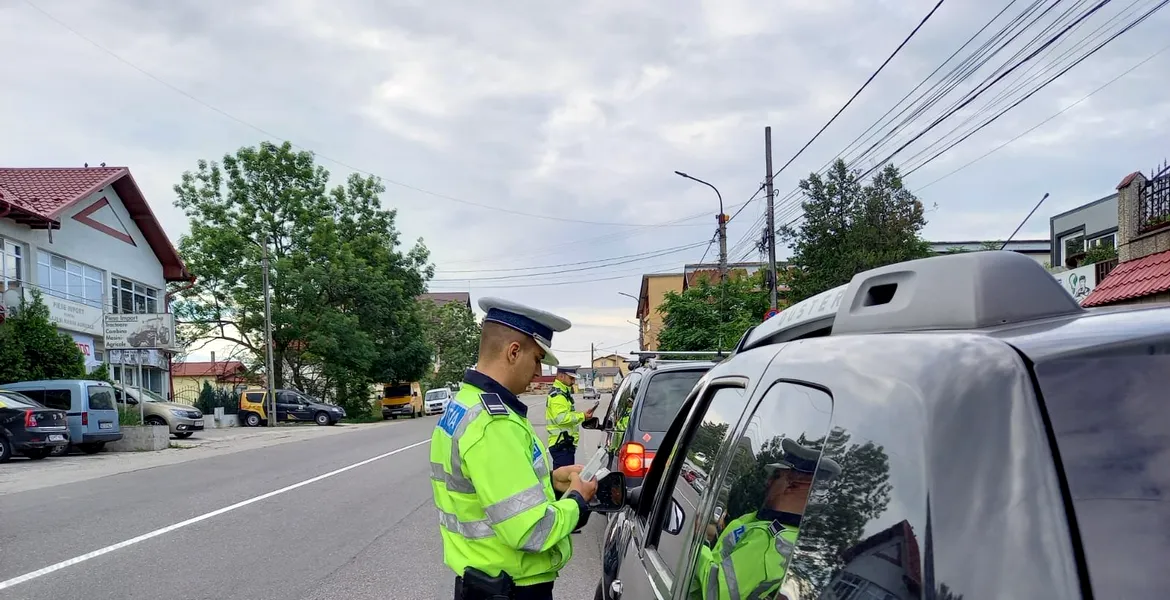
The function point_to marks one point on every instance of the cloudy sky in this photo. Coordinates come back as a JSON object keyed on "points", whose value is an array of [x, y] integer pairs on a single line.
{"points": [[523, 133]]}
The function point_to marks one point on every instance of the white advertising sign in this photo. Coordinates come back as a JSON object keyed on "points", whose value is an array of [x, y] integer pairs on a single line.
{"points": [[140, 331], [85, 344], [149, 358], [1080, 282], [71, 316]]}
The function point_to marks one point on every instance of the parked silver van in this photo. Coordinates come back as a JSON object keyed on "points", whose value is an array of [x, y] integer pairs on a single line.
{"points": [[89, 408]]}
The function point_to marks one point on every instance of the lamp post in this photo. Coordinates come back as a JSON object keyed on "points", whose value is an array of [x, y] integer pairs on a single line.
{"points": [[270, 404], [722, 219], [641, 330]]}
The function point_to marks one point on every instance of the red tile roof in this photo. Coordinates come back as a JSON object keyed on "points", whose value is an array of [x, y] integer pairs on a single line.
{"points": [[1133, 279], [219, 369], [38, 197]]}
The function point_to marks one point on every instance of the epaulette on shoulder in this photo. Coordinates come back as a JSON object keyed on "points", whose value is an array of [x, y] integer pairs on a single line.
{"points": [[556, 392], [493, 404]]}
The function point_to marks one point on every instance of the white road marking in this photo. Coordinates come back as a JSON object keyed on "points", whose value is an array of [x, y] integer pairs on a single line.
{"points": [[215, 513]]}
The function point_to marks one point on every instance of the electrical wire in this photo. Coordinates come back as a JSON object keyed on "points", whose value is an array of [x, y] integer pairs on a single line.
{"points": [[636, 258], [569, 264]]}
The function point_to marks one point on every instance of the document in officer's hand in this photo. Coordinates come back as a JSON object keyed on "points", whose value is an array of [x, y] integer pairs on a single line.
{"points": [[591, 468]]}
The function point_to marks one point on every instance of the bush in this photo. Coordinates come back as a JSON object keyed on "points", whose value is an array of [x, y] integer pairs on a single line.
{"points": [[211, 398], [129, 416]]}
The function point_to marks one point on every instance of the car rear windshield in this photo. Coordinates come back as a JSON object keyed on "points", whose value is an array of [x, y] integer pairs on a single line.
{"points": [[1109, 417], [396, 391], [101, 397], [664, 397]]}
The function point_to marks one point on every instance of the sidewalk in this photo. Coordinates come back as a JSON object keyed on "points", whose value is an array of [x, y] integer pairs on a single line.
{"points": [[21, 475]]}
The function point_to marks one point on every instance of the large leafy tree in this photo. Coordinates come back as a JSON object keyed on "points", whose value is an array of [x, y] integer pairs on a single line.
{"points": [[452, 330], [343, 292], [712, 316], [32, 348], [849, 227]]}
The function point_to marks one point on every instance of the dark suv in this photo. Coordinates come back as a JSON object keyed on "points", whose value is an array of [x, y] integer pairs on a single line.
{"points": [[953, 427], [649, 398]]}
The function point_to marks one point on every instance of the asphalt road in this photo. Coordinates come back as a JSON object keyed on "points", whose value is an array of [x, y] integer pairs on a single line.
{"points": [[346, 516]]}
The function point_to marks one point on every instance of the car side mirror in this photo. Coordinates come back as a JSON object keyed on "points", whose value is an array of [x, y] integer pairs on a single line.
{"points": [[591, 423], [611, 493], [633, 496], [674, 523]]}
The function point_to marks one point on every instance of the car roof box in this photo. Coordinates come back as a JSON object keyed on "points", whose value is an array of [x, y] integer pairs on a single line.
{"points": [[973, 290]]}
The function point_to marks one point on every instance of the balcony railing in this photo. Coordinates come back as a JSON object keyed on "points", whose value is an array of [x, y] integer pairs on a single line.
{"points": [[1154, 204], [1103, 269]]}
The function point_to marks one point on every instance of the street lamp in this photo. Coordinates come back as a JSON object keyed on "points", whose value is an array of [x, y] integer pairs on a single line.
{"points": [[722, 225], [641, 332], [271, 385]]}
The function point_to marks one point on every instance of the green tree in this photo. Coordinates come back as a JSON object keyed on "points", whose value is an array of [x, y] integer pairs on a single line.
{"points": [[850, 227], [32, 348], [453, 331], [343, 308], [712, 316]]}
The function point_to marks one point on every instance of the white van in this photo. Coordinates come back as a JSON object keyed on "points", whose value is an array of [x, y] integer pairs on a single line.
{"points": [[435, 401]]}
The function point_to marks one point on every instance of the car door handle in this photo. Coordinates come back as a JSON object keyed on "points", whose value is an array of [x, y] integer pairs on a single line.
{"points": [[615, 589]]}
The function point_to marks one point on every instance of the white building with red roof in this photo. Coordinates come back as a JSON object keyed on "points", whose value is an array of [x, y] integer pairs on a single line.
{"points": [[87, 239]]}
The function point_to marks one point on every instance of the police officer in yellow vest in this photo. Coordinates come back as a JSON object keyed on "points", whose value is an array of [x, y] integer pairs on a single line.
{"points": [[504, 532], [562, 421], [750, 558]]}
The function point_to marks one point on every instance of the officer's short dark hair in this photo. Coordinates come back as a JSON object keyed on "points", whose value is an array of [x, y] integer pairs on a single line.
{"points": [[495, 337]]}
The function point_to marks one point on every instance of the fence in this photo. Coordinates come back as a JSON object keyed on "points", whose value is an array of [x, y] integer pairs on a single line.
{"points": [[1154, 205]]}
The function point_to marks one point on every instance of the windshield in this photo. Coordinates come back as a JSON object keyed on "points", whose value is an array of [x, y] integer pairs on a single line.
{"points": [[664, 397], [436, 394], [397, 391], [150, 396]]}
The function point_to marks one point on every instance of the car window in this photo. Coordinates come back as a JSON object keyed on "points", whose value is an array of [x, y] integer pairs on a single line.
{"points": [[1109, 417], [625, 393], [286, 397], [726, 406], [58, 399], [101, 397], [15, 400], [436, 395], [256, 397], [749, 535], [663, 398]]}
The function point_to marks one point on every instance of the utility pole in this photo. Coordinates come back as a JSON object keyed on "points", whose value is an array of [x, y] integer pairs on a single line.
{"points": [[592, 371], [268, 341], [771, 215]]}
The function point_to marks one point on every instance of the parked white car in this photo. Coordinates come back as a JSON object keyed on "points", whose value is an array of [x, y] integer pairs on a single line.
{"points": [[591, 394], [435, 401]]}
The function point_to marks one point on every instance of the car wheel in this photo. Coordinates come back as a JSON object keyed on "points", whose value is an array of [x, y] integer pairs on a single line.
{"points": [[322, 419], [156, 421], [38, 453], [92, 448], [182, 435], [61, 450], [5, 449], [252, 420]]}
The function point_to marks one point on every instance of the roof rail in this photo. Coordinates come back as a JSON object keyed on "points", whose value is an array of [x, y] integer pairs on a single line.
{"points": [[662, 357], [972, 290]]}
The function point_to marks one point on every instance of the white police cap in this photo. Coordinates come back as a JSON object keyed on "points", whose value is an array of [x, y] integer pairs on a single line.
{"points": [[538, 324], [803, 459]]}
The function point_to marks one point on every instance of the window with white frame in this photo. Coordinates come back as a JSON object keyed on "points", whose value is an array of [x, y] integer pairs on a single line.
{"points": [[1071, 245], [1108, 240], [11, 264], [129, 297], [127, 375], [64, 278]]}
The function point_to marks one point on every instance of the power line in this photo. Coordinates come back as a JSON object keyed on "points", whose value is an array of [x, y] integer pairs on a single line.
{"points": [[859, 90], [636, 258], [341, 163], [1050, 118], [570, 264], [628, 273]]}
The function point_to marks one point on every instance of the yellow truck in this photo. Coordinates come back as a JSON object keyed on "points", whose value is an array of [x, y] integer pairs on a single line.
{"points": [[402, 400]]}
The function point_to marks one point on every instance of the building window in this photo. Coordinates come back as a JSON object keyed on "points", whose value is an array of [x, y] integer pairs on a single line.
{"points": [[1071, 245], [128, 297], [70, 280], [11, 264], [127, 375], [1108, 240]]}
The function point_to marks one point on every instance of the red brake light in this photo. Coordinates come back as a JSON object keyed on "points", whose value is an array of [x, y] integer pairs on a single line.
{"points": [[634, 460], [30, 419], [84, 418]]}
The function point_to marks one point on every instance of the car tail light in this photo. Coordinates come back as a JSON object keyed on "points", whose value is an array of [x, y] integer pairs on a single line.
{"points": [[84, 419], [30, 418], [634, 460]]}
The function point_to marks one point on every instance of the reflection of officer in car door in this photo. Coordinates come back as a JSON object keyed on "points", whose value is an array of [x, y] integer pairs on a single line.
{"points": [[751, 556], [562, 422]]}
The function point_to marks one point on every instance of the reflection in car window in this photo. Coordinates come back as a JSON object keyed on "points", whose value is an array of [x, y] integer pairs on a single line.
{"points": [[254, 396], [726, 405], [101, 397], [749, 539]]}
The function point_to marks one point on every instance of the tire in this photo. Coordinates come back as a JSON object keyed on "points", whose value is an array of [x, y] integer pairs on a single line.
{"points": [[38, 453], [61, 450], [93, 448], [182, 435], [322, 419], [156, 421], [395, 417], [5, 449], [252, 420]]}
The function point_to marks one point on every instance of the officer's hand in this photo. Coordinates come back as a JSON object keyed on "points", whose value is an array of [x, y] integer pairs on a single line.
{"points": [[589, 413], [586, 488], [563, 477]]}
